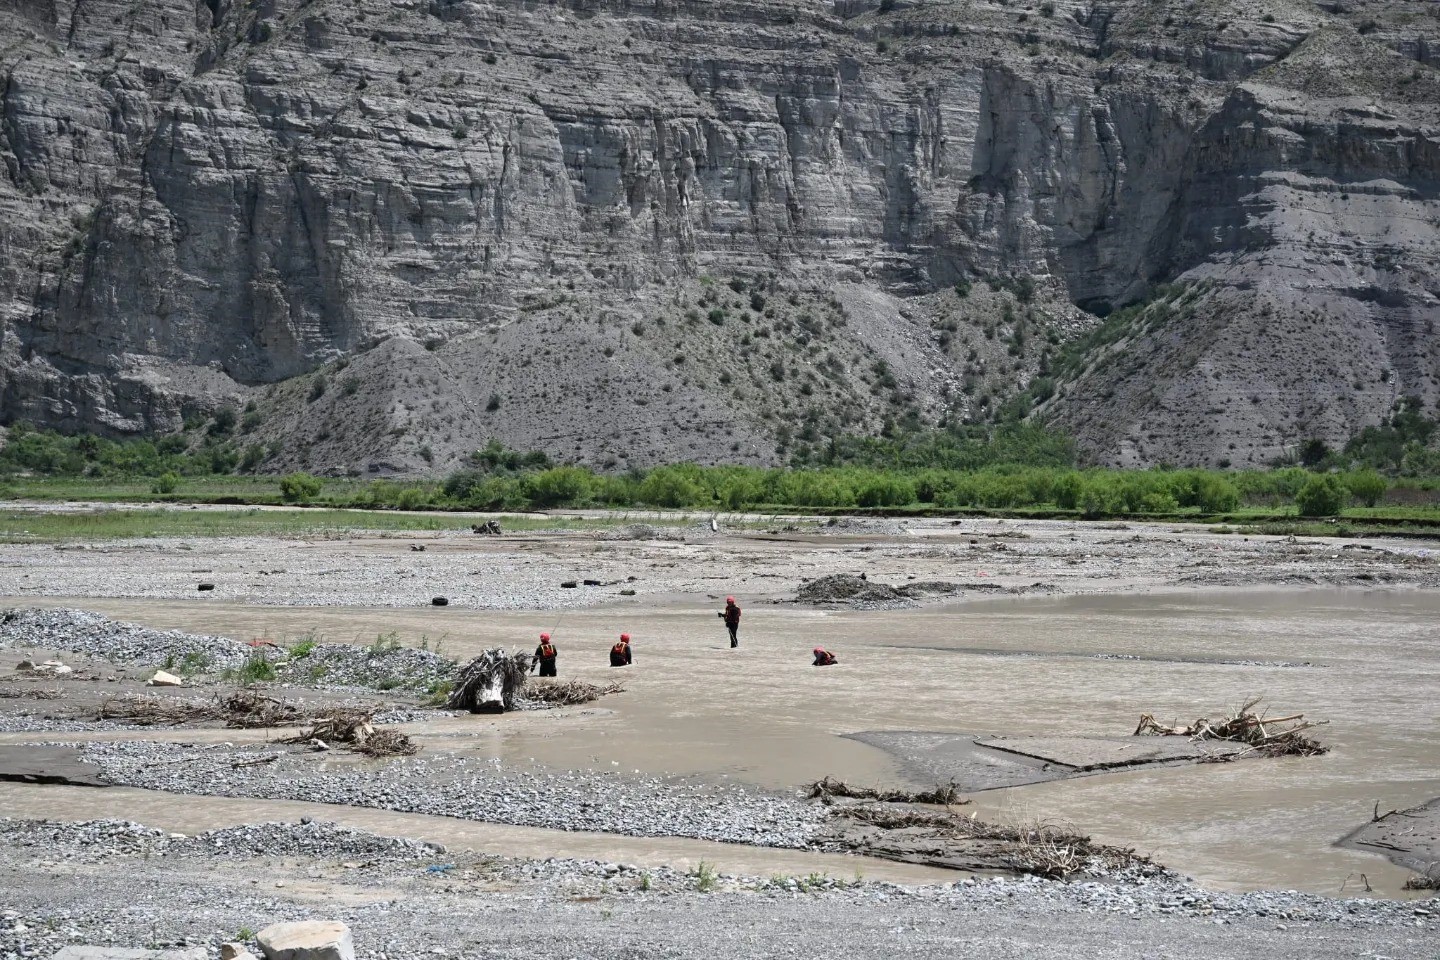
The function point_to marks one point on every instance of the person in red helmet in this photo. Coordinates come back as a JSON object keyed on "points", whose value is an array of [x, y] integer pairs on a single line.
{"points": [[731, 616], [620, 655], [824, 658], [545, 656]]}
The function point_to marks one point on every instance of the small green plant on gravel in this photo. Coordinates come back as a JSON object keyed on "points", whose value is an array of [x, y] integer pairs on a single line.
{"points": [[645, 882], [386, 643], [194, 662], [303, 647], [387, 683], [426, 643], [705, 876], [439, 693], [317, 673], [255, 669], [244, 934]]}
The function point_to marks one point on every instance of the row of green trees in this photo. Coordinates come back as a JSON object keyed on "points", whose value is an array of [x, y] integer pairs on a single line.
{"points": [[1091, 493]]}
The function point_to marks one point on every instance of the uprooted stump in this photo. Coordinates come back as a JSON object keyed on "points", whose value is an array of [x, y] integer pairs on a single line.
{"points": [[829, 788], [567, 693], [1263, 736], [354, 729], [490, 682]]}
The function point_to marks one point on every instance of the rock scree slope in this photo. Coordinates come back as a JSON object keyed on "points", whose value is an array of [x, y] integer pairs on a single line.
{"points": [[627, 232]]}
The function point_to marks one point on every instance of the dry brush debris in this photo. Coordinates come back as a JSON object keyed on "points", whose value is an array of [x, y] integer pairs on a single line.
{"points": [[827, 789], [354, 729], [1263, 736], [567, 693]]}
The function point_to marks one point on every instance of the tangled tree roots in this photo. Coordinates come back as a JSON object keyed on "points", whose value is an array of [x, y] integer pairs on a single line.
{"points": [[1262, 736], [826, 790], [490, 682], [568, 693], [353, 729]]}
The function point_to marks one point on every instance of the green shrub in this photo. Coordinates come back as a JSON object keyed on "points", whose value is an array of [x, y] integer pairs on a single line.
{"points": [[168, 482], [1367, 486], [1322, 496], [299, 487]]}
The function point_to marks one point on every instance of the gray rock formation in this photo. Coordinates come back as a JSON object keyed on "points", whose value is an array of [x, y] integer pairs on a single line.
{"points": [[519, 219]]}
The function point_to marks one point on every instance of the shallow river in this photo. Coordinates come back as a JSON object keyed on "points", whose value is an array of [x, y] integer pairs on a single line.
{"points": [[1018, 666]]}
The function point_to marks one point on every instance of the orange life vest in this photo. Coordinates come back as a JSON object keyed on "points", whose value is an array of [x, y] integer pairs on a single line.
{"points": [[547, 652]]}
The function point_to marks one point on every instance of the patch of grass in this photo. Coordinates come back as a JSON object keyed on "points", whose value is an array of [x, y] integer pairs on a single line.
{"points": [[255, 669], [439, 694], [386, 642], [303, 647], [705, 876]]}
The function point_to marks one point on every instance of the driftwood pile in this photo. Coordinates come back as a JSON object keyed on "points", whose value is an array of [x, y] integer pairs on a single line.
{"points": [[1045, 849], [567, 693], [1262, 736], [828, 789], [243, 709], [354, 729], [480, 673]]}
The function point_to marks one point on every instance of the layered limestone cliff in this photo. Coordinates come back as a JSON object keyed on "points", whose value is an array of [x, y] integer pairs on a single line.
{"points": [[630, 231]]}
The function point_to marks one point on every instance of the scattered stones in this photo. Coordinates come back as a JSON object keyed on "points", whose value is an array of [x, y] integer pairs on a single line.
{"points": [[307, 940]]}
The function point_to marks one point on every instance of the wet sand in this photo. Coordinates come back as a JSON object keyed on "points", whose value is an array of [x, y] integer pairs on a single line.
{"points": [[763, 716]]}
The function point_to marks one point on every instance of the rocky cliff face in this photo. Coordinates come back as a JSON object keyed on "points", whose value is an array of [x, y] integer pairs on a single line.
{"points": [[627, 231]]}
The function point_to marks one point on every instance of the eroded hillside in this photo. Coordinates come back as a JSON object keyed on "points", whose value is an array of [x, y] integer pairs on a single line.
{"points": [[637, 231]]}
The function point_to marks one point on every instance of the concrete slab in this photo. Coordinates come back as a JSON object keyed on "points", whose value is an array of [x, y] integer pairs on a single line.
{"points": [[32, 764]]}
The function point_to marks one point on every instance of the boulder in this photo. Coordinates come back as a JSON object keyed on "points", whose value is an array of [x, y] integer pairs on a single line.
{"points": [[307, 940], [235, 951], [163, 679]]}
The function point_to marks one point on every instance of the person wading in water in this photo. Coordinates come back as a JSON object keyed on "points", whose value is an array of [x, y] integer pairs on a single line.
{"points": [[731, 616], [545, 656]]}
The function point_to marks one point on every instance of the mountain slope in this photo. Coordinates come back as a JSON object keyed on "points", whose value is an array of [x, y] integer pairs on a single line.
{"points": [[544, 204]]}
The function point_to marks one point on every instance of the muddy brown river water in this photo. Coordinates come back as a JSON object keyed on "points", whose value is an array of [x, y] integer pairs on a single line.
{"points": [[1075, 665]]}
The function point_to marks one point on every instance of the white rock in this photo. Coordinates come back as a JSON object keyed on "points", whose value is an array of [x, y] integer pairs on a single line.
{"points": [[235, 951], [307, 940], [163, 679]]}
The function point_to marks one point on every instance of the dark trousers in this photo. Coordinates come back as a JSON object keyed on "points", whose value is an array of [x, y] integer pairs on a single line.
{"points": [[547, 668], [734, 635]]}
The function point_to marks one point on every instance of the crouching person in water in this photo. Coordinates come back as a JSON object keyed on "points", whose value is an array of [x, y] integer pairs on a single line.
{"points": [[620, 655], [545, 656], [824, 658]]}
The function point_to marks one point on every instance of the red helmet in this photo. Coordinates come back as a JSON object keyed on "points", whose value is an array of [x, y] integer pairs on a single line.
{"points": [[729, 599], [818, 650], [625, 637], [544, 636]]}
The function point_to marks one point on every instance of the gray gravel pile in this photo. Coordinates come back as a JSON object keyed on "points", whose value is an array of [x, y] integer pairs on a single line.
{"points": [[93, 840], [91, 635], [847, 588], [342, 665], [474, 790]]}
